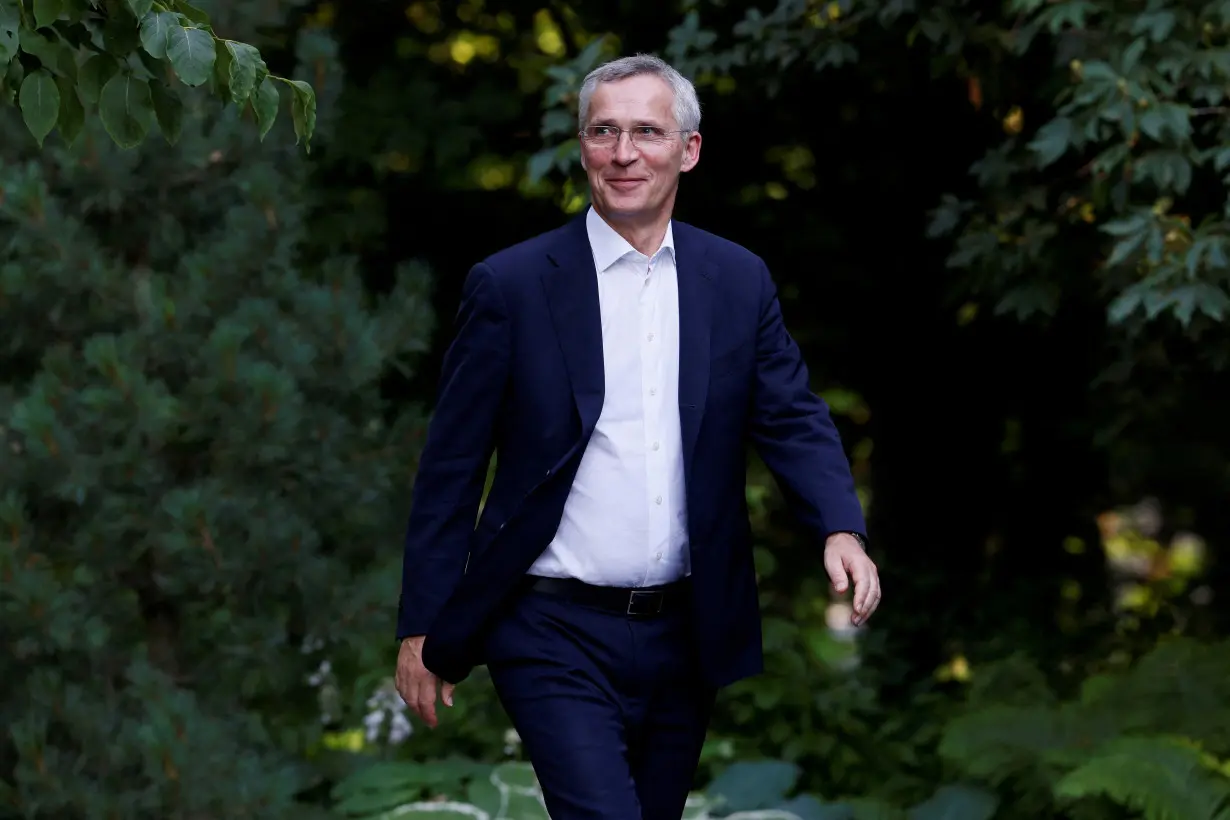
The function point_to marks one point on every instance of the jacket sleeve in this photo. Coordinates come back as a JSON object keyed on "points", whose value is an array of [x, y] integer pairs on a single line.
{"points": [[793, 431], [453, 466]]}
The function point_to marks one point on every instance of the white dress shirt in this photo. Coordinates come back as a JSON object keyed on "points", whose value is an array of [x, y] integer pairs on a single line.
{"points": [[625, 520]]}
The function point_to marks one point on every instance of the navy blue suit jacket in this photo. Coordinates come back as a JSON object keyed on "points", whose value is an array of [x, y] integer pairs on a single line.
{"points": [[524, 378]]}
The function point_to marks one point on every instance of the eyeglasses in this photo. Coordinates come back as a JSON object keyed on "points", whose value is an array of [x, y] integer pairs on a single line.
{"points": [[642, 136]]}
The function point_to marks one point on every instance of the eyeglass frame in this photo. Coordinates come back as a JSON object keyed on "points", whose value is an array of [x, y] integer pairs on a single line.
{"points": [[619, 133]]}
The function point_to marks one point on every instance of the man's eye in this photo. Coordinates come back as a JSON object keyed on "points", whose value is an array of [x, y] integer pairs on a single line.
{"points": [[603, 131], [649, 131]]}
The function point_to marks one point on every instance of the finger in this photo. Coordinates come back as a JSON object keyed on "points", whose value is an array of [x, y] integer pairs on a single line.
{"points": [[837, 572], [858, 571], [426, 697], [868, 599], [446, 694]]}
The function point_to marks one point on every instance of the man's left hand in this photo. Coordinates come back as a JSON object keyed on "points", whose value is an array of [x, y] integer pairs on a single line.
{"points": [[846, 561]]}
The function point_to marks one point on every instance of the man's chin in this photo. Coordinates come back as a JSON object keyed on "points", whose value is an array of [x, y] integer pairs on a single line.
{"points": [[626, 208]]}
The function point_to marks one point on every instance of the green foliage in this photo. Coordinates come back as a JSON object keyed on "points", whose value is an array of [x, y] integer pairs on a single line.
{"points": [[1130, 136], [201, 475], [62, 61], [1151, 737], [1132, 736], [749, 790]]}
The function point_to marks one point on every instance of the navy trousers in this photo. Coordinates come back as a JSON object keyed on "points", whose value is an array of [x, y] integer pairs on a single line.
{"points": [[610, 708]]}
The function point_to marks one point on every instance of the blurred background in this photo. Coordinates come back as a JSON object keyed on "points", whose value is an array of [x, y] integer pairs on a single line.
{"points": [[1000, 233]]}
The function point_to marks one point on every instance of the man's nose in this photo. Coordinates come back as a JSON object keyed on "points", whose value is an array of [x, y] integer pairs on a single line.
{"points": [[626, 151]]}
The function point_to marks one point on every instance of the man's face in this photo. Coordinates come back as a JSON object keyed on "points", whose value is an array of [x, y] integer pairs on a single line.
{"points": [[628, 180]]}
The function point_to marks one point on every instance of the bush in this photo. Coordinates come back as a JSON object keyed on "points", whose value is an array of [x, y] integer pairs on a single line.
{"points": [[1151, 738], [202, 488]]}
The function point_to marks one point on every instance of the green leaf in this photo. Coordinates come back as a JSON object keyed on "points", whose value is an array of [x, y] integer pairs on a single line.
{"points": [[169, 109], [72, 113], [193, 13], [191, 52], [10, 26], [245, 68], [94, 75], [1131, 56], [1052, 140], [120, 36], [47, 12], [1125, 247], [1127, 225], [303, 111], [265, 103], [155, 28], [957, 803], [40, 103], [139, 8], [1158, 777], [1158, 24], [126, 109], [39, 45], [753, 785]]}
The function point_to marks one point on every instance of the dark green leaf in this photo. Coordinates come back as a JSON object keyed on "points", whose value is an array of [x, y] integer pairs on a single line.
{"points": [[222, 73], [265, 103], [139, 8], [1152, 123], [120, 35], [72, 113], [169, 109], [1099, 71], [1216, 254], [540, 164], [155, 28], [1131, 56], [94, 75], [192, 13], [39, 45], [192, 54], [753, 785], [1125, 247], [1177, 119], [1158, 24], [957, 803], [245, 67], [126, 109], [10, 25], [1052, 140], [303, 111], [47, 12], [40, 103]]}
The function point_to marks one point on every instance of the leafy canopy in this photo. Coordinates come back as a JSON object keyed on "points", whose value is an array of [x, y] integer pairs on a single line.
{"points": [[63, 60]]}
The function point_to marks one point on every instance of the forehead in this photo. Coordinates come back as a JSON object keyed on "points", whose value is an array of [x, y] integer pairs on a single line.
{"points": [[643, 97]]}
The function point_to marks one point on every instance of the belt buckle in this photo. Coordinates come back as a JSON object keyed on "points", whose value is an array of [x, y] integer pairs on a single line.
{"points": [[656, 597]]}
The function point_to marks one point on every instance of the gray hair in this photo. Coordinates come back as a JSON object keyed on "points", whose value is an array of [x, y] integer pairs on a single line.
{"points": [[687, 106]]}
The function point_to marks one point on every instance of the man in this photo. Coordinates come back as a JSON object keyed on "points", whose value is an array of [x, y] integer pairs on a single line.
{"points": [[618, 367]]}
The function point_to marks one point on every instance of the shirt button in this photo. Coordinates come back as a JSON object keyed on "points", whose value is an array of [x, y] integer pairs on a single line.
{"points": [[653, 391], [659, 556], [655, 445], [651, 337], [658, 500]]}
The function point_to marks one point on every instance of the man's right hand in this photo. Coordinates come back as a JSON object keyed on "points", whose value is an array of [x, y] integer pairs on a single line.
{"points": [[416, 685]]}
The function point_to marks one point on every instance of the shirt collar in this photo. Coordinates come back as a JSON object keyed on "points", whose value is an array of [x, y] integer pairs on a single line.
{"points": [[609, 247]]}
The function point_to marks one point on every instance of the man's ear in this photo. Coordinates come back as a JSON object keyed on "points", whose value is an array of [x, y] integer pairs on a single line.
{"points": [[691, 152]]}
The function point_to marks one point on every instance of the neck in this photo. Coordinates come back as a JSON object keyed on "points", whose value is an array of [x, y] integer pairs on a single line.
{"points": [[645, 233]]}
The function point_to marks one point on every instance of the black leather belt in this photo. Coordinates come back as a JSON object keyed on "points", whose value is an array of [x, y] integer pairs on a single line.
{"points": [[644, 602]]}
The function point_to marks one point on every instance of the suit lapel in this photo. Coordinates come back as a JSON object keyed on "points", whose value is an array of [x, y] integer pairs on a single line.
{"points": [[571, 283], [695, 276]]}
